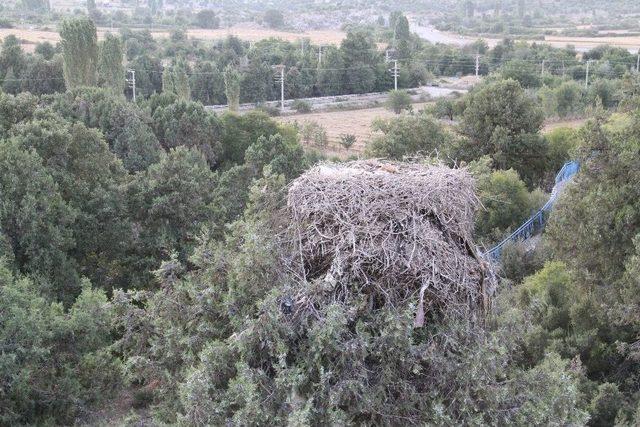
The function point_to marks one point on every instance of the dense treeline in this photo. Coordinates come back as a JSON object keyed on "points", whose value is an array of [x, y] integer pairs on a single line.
{"points": [[196, 71], [139, 251]]}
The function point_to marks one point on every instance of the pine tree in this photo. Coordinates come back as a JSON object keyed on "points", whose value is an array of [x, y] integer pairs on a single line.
{"points": [[79, 52], [111, 70], [232, 87]]}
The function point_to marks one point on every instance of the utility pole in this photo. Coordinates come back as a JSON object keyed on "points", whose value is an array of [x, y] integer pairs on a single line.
{"points": [[280, 79], [542, 72], [563, 70], [394, 73], [586, 83], [319, 54], [132, 82], [477, 65], [638, 62]]}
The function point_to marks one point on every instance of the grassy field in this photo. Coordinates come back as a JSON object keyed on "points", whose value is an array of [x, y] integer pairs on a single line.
{"points": [[30, 37], [552, 124], [337, 123]]}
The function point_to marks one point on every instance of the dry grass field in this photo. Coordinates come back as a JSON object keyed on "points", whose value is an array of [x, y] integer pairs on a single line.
{"points": [[338, 123], [583, 43], [30, 37]]}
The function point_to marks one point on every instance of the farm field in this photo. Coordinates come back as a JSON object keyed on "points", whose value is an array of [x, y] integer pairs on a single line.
{"points": [[358, 122], [337, 123], [631, 43], [30, 37]]}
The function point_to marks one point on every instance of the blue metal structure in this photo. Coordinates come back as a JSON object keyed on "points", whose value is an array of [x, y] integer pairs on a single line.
{"points": [[536, 223]]}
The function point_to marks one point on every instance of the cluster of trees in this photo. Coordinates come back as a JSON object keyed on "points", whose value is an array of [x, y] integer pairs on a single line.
{"points": [[96, 192], [234, 70]]}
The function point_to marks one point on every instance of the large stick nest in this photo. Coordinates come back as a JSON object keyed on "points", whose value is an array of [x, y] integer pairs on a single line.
{"points": [[395, 232]]}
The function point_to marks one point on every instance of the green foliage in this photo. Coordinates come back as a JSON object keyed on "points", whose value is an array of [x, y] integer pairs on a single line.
{"points": [[408, 135], [55, 362], [90, 179], [189, 124], [79, 42], [506, 202], [207, 18], [14, 109], [43, 76], [283, 157], [562, 146], [176, 80], [502, 121], [301, 106], [240, 131], [35, 220], [170, 201], [313, 133], [569, 98], [502, 104], [11, 57], [46, 50], [110, 68], [518, 260], [525, 73], [232, 87], [398, 101], [274, 18], [347, 140], [207, 84]]}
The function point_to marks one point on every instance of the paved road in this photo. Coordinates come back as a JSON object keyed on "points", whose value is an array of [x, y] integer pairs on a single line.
{"points": [[349, 101]]}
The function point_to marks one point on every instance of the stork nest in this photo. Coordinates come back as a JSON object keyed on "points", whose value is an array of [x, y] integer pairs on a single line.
{"points": [[393, 232]]}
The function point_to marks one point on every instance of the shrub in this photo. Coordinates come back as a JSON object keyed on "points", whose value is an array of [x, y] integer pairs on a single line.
{"points": [[398, 101], [302, 106], [314, 133], [347, 140]]}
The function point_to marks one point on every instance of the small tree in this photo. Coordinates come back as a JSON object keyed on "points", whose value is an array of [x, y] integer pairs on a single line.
{"points": [[398, 101], [347, 140], [232, 87], [207, 19], [79, 52], [274, 18]]}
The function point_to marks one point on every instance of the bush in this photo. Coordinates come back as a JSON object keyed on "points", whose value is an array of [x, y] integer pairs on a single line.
{"points": [[506, 201], [408, 135], [302, 106], [314, 133], [398, 101], [517, 261], [347, 140]]}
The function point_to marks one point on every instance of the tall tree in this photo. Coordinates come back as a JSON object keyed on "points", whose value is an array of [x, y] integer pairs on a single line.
{"points": [[232, 87], [110, 68], [175, 79], [79, 51]]}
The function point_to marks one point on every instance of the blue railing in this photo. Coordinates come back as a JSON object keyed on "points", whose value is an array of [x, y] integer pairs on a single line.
{"points": [[536, 223]]}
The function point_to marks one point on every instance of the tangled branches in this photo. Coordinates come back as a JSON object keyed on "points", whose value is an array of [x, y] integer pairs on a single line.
{"points": [[390, 231]]}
